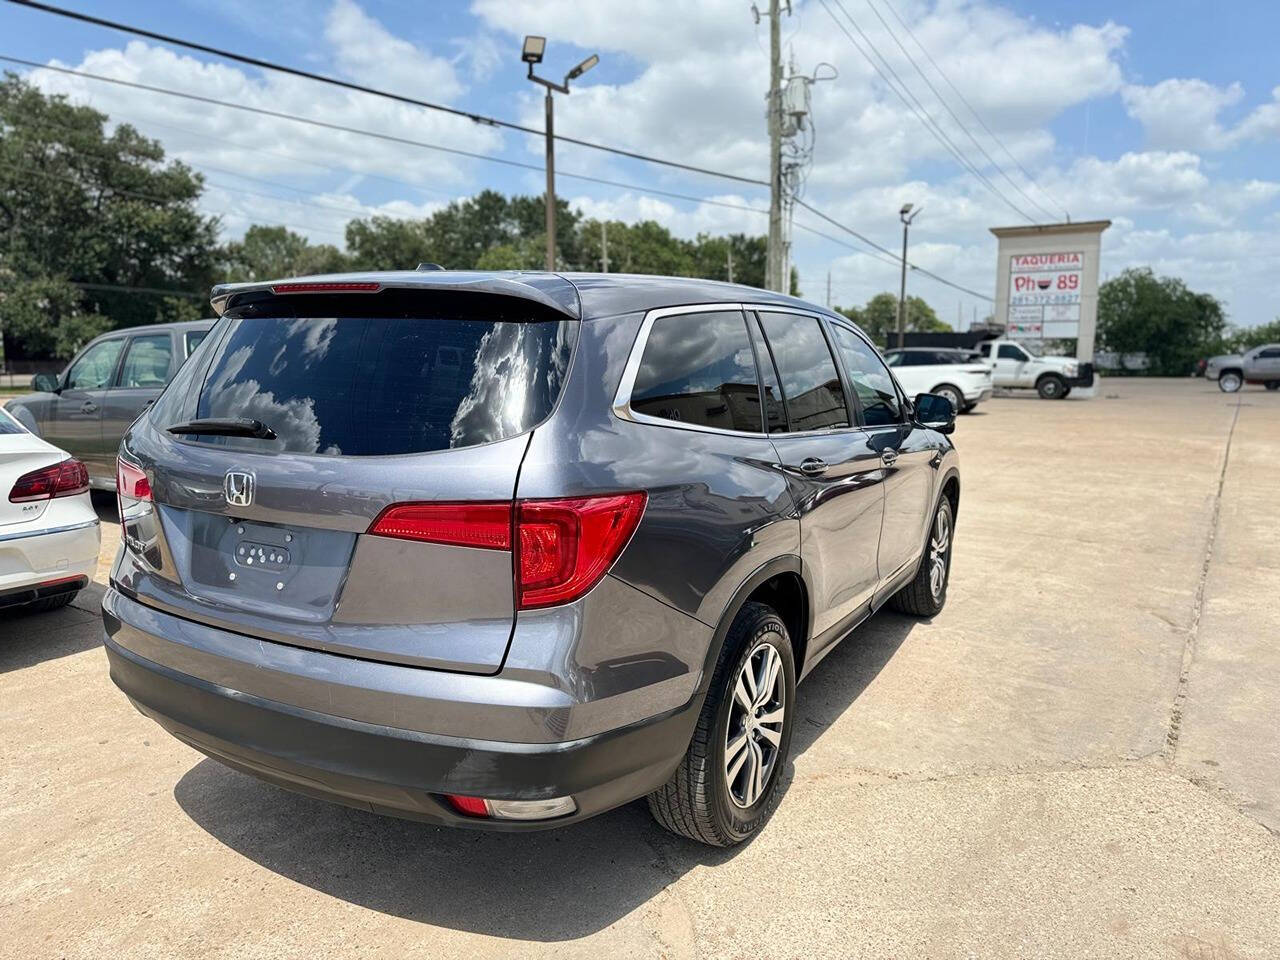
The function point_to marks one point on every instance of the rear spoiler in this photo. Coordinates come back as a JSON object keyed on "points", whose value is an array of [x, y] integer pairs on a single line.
{"points": [[549, 290]]}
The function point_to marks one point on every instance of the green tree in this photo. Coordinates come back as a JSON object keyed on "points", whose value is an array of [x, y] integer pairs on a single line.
{"points": [[82, 214], [267, 253], [879, 318], [1174, 326], [1241, 339]]}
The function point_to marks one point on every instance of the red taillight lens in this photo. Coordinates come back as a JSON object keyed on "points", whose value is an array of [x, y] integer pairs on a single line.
{"points": [[338, 287], [566, 546], [65, 479], [131, 482], [563, 547], [484, 525]]}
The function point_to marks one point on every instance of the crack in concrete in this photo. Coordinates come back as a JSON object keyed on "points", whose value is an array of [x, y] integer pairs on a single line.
{"points": [[1170, 750]]}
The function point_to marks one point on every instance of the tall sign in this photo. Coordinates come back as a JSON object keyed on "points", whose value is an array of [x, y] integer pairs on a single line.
{"points": [[1047, 282]]}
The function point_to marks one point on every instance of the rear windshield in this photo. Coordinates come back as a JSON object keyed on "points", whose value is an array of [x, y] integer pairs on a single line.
{"points": [[372, 386]]}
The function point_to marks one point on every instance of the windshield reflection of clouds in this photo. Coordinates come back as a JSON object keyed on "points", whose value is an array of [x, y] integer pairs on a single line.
{"points": [[294, 421], [688, 353], [516, 371]]}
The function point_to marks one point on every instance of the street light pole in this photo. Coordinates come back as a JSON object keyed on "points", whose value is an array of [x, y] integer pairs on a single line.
{"points": [[531, 53], [906, 214]]}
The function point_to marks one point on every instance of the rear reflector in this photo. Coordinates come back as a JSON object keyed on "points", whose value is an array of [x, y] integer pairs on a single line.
{"points": [[65, 479], [131, 482], [350, 287], [563, 547], [511, 809]]}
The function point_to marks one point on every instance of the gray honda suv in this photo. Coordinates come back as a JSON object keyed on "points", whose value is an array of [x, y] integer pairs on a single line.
{"points": [[510, 549]]}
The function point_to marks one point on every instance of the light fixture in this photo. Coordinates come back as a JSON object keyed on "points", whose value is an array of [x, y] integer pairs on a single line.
{"points": [[906, 208], [582, 68], [534, 47]]}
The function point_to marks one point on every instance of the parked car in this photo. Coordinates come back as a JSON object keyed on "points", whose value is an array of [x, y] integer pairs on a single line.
{"points": [[87, 408], [1259, 365], [508, 550], [948, 373], [49, 535], [1015, 367]]}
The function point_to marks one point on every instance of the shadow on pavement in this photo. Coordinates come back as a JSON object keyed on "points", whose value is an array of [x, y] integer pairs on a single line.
{"points": [[28, 637], [549, 885]]}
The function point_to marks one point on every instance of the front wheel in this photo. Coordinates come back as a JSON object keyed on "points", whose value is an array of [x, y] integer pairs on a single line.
{"points": [[1230, 382], [952, 394], [1051, 387], [926, 594], [728, 783]]}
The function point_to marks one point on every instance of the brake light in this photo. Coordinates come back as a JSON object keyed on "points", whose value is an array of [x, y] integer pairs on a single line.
{"points": [[336, 287], [562, 547], [566, 546], [65, 479], [131, 482], [484, 525]]}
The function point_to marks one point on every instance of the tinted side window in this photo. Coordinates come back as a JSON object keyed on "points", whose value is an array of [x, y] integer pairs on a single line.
{"points": [[774, 410], [94, 369], [1009, 352], [194, 339], [698, 368], [870, 378], [810, 383], [147, 362]]}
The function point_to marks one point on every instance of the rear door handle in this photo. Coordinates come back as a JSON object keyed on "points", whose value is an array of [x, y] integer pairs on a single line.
{"points": [[813, 467], [88, 407], [889, 457]]}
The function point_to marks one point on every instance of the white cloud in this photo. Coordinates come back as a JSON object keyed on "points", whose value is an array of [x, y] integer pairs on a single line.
{"points": [[366, 52], [1182, 114]]}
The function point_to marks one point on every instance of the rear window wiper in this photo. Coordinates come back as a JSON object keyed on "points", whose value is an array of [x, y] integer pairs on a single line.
{"points": [[224, 427]]}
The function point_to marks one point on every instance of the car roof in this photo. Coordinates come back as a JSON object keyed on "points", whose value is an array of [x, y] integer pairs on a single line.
{"points": [[576, 295], [180, 325]]}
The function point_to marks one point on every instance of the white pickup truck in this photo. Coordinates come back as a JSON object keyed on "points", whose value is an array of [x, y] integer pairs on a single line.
{"points": [[1014, 367]]}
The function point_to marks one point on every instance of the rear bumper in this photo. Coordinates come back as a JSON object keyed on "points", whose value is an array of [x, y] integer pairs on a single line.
{"points": [[391, 770], [34, 562], [978, 394]]}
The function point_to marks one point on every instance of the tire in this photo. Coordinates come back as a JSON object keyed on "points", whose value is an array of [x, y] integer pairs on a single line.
{"points": [[921, 597], [968, 408], [1230, 381], [952, 393], [1273, 384], [701, 801], [1051, 387], [50, 603]]}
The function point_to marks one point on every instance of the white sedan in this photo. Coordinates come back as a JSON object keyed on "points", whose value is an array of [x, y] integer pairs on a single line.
{"points": [[946, 372], [49, 535]]}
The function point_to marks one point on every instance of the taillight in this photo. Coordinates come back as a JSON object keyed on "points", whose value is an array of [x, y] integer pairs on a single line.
{"points": [[566, 546], [131, 482], [65, 479], [563, 547]]}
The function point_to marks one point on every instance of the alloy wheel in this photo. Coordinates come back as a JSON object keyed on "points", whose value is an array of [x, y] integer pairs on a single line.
{"points": [[754, 732], [939, 552], [1229, 382]]}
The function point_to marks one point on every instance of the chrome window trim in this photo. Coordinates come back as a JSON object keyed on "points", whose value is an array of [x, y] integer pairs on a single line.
{"points": [[622, 398]]}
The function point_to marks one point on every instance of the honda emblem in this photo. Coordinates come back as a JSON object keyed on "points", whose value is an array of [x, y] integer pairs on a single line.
{"points": [[238, 488]]}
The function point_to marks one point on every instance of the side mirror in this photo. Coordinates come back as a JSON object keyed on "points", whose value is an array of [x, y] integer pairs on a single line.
{"points": [[935, 412], [45, 383]]}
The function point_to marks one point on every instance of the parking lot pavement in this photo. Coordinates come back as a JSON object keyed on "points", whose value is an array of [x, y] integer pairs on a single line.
{"points": [[1079, 757]]}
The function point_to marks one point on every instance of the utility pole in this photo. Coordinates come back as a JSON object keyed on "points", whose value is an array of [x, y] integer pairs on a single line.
{"points": [[906, 214], [828, 289], [728, 256], [531, 54], [774, 269], [604, 246]]}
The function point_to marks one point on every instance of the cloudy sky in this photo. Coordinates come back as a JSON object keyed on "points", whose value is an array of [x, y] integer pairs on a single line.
{"points": [[1164, 118]]}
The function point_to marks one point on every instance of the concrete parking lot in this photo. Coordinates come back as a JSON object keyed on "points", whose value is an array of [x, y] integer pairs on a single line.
{"points": [[1080, 757]]}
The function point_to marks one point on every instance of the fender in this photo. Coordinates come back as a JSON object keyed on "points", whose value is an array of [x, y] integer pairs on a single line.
{"points": [[787, 563]]}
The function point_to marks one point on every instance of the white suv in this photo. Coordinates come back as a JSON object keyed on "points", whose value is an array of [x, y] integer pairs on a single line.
{"points": [[954, 374]]}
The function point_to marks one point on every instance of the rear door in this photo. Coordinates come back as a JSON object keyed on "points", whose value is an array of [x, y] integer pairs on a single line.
{"points": [[834, 471], [374, 400], [149, 361], [75, 416]]}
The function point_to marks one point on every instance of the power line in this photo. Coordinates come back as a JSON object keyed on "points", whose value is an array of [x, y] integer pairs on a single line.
{"points": [[916, 108], [960, 123], [327, 125], [977, 116], [360, 88]]}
